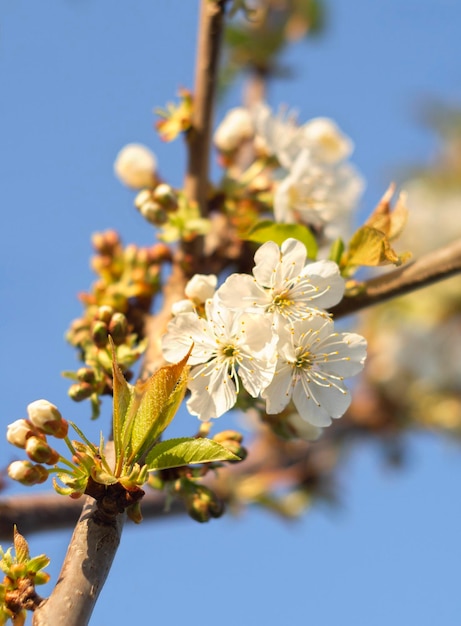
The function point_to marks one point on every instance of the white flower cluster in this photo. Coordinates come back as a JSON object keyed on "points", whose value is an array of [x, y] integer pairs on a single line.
{"points": [[271, 334], [316, 184]]}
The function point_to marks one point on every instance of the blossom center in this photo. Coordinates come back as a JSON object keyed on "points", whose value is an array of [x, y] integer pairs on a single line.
{"points": [[304, 360], [281, 302]]}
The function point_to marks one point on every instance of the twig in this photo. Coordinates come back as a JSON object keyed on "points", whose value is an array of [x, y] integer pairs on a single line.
{"points": [[430, 268], [208, 46]]}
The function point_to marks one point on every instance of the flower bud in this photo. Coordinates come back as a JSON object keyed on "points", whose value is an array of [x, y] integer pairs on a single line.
{"points": [[135, 166], [105, 313], [86, 375], [236, 127], [80, 391], [160, 252], [100, 334], [154, 213], [232, 440], [106, 242], [203, 504], [45, 416], [118, 328], [166, 197], [26, 473], [201, 287], [40, 452], [18, 432], [145, 195]]}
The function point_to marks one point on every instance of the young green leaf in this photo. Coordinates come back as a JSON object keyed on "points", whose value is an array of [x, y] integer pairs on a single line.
{"points": [[187, 451], [159, 398], [123, 394], [271, 231]]}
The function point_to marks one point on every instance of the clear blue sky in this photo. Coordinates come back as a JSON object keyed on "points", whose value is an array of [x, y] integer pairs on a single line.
{"points": [[79, 80]]}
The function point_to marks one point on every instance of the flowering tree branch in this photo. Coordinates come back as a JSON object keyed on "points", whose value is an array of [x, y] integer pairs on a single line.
{"points": [[428, 269], [209, 40]]}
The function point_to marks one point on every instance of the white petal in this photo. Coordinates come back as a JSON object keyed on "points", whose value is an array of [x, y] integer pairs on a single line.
{"points": [[242, 291], [267, 258], [278, 393], [208, 405], [352, 351]]}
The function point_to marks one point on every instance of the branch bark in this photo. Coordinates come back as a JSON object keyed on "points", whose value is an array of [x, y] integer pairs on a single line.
{"points": [[208, 47], [430, 268]]}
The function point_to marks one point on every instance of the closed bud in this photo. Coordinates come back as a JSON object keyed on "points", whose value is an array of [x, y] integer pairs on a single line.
{"points": [[154, 213], [18, 432], [232, 440], [105, 313], [201, 287], [135, 166], [142, 197], [45, 416], [118, 328], [160, 252], [40, 452], [100, 333], [203, 504], [80, 391], [105, 243], [166, 197], [231, 435], [27, 473], [236, 127], [86, 375]]}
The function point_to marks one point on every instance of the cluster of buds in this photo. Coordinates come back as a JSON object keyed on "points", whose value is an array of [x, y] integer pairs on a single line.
{"points": [[129, 277], [155, 205], [22, 574], [232, 441], [31, 436], [202, 504]]}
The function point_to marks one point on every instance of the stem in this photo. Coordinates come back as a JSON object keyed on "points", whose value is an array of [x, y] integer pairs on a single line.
{"points": [[85, 569], [428, 269], [208, 47]]}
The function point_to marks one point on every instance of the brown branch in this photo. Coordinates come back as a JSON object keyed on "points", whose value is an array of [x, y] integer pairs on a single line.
{"points": [[430, 268], [85, 569], [208, 47]]}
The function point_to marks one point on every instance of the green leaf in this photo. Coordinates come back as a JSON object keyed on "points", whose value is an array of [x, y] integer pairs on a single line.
{"points": [[336, 250], [187, 451], [271, 231], [123, 394], [157, 400]]}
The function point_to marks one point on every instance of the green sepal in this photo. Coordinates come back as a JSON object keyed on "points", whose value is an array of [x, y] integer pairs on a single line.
{"points": [[187, 451], [271, 231], [37, 563]]}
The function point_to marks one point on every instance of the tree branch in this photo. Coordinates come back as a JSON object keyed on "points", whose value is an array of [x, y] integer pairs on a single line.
{"points": [[430, 268], [85, 569], [208, 47]]}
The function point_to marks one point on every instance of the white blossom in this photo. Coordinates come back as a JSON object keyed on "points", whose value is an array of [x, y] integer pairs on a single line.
{"points": [[135, 166], [283, 286], [319, 194], [325, 140], [313, 361], [201, 287], [228, 347], [236, 127]]}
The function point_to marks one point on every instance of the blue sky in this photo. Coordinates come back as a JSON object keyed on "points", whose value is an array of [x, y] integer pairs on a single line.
{"points": [[80, 79]]}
